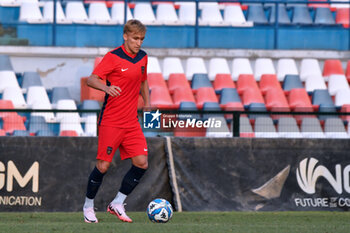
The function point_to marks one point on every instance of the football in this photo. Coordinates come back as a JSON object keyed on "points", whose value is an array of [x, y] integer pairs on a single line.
{"points": [[159, 210]]}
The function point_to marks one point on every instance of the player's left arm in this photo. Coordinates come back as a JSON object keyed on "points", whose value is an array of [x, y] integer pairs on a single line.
{"points": [[145, 93]]}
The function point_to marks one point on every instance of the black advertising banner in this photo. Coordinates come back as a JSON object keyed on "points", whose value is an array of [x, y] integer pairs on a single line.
{"points": [[262, 174], [50, 174]]}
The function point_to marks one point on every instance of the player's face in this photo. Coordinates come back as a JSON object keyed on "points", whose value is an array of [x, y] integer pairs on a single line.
{"points": [[133, 41]]}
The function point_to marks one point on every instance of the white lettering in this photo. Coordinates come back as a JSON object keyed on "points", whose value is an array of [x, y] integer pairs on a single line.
{"points": [[13, 173], [2, 175]]}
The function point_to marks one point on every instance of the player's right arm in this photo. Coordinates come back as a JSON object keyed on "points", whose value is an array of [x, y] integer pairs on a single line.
{"points": [[94, 82]]}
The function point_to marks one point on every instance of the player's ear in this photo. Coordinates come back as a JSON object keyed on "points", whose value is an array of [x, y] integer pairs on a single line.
{"points": [[125, 36]]}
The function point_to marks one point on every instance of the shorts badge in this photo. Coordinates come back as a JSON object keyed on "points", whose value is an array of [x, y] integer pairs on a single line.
{"points": [[109, 150]]}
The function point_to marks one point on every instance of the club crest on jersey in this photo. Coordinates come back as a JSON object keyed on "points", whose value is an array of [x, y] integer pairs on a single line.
{"points": [[109, 150], [142, 69]]}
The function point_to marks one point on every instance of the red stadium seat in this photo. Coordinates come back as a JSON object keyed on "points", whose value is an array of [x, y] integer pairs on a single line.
{"points": [[2, 132], [299, 101], [182, 95], [177, 81], [6, 104], [269, 82], [97, 61], [205, 94], [156, 80], [223, 81], [252, 95], [345, 108], [342, 17], [68, 133], [276, 101], [332, 66], [13, 122], [88, 93], [160, 98], [246, 81], [316, 5], [347, 72]]}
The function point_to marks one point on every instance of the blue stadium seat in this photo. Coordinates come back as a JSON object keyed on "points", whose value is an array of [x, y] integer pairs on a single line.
{"points": [[301, 15], [189, 106], [31, 79], [256, 14], [229, 95], [283, 17], [324, 16], [38, 123], [45, 133], [59, 93], [200, 80], [211, 106], [21, 133], [322, 97], [5, 63], [292, 81], [90, 105], [259, 107]]}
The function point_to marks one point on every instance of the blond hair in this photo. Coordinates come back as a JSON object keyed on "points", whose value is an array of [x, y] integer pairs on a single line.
{"points": [[134, 25]]}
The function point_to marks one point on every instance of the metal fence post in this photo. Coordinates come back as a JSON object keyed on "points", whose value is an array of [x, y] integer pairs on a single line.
{"points": [[235, 123]]}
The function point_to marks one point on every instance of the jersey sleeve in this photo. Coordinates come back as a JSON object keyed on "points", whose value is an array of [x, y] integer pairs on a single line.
{"points": [[105, 67], [144, 77]]}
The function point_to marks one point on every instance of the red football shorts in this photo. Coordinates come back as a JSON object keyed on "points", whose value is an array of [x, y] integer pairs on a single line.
{"points": [[131, 142]]}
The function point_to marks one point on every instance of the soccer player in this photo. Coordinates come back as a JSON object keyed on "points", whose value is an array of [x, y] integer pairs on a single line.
{"points": [[125, 71]]}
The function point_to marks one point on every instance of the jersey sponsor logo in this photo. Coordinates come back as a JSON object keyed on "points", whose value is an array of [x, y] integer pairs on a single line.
{"points": [[124, 69], [109, 150]]}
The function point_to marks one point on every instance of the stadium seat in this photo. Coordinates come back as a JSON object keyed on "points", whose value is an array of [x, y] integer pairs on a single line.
{"points": [[13, 122], [269, 82], [195, 65], [264, 128], [240, 66], [299, 99], [172, 65], [166, 14], [276, 101], [8, 79], [200, 80], [31, 79], [344, 5], [256, 14], [234, 16], [309, 67], [246, 81], [156, 80], [66, 104], [5, 63], [334, 128], [283, 17], [98, 12], [68, 133], [218, 66], [220, 132], [143, 11], [153, 65], [324, 16], [48, 12], [222, 81], [75, 12], [117, 12], [97, 61], [6, 104], [321, 97], [291, 82], [189, 132], [252, 95], [245, 128], [288, 128], [211, 15], [263, 66], [37, 94], [347, 72], [286, 66], [71, 123], [160, 98], [187, 13], [182, 95], [301, 15], [317, 5], [315, 82], [211, 106], [337, 82], [311, 128], [20, 133], [229, 95], [15, 95], [89, 93], [205, 94], [36, 124], [30, 12], [43, 133], [345, 109], [332, 66], [342, 17], [2, 132], [59, 93], [342, 97], [91, 125], [177, 81]]}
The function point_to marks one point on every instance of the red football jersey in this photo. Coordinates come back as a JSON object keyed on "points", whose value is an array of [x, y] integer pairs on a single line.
{"points": [[119, 68]]}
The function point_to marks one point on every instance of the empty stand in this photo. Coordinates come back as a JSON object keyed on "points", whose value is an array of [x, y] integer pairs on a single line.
{"points": [[200, 80], [117, 12], [301, 15], [245, 128], [336, 83], [245, 82], [311, 128], [156, 80], [5, 63], [309, 67], [90, 93], [252, 95], [8, 79], [182, 95], [99, 13], [324, 16], [30, 12], [75, 11], [222, 131], [49, 116], [288, 128], [13, 122], [276, 101], [256, 14], [218, 66], [223, 81], [59, 93], [240, 66], [205, 94], [345, 5], [38, 123], [31, 79], [195, 65], [263, 66], [66, 104], [322, 97], [143, 11], [91, 125], [315, 82], [229, 95], [332, 66], [269, 82], [48, 12], [299, 100], [347, 73], [176, 81], [15, 95], [264, 128], [211, 106], [346, 118], [187, 13], [160, 98], [283, 17], [233, 15], [153, 65], [166, 14], [70, 123], [286, 66], [342, 17], [211, 15], [20, 133], [334, 128], [291, 82], [342, 97], [172, 65]]}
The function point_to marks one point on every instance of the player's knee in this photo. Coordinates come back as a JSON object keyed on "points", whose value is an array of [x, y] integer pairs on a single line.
{"points": [[102, 166], [141, 164]]}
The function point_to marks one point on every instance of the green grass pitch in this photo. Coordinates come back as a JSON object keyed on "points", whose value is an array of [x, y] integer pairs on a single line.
{"points": [[189, 222]]}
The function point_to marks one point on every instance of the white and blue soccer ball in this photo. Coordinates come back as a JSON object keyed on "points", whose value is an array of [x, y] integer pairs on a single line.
{"points": [[159, 210]]}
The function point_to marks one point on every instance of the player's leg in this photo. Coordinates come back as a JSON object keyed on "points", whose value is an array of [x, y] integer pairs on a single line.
{"points": [[107, 146]]}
